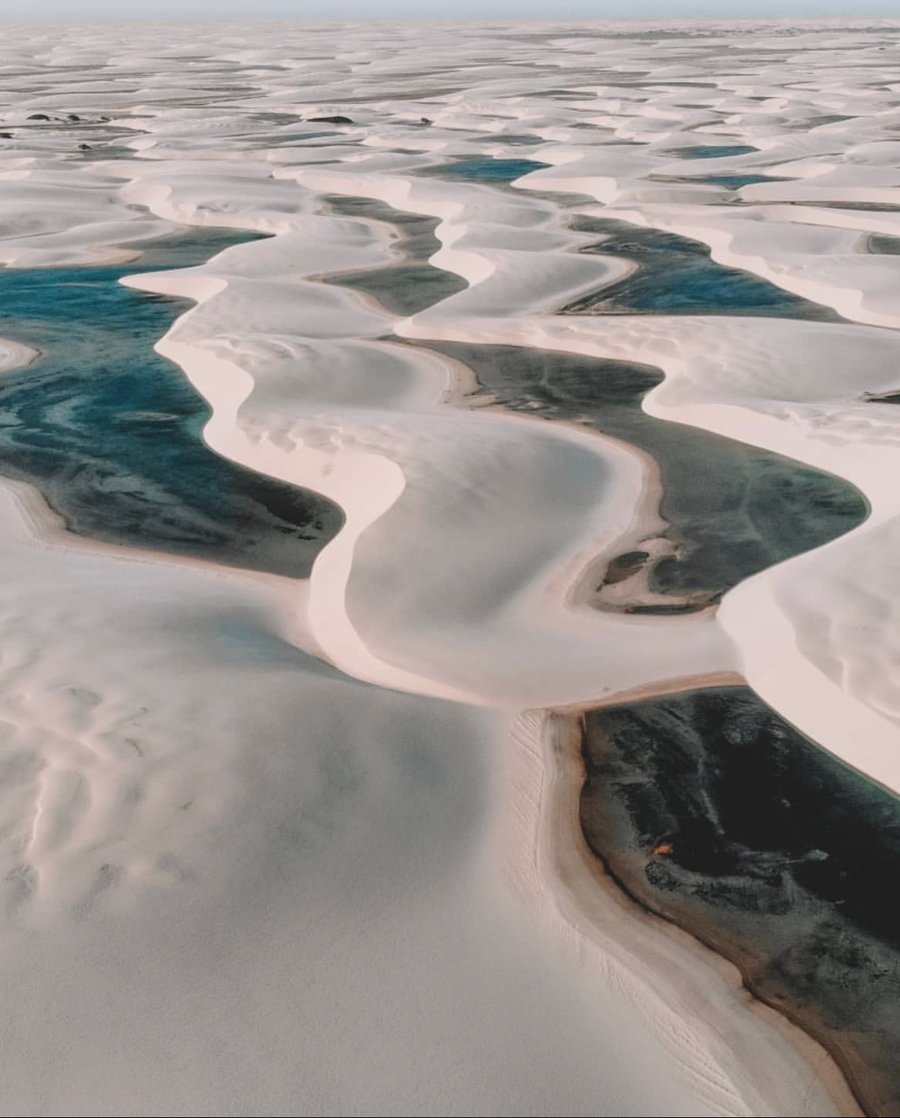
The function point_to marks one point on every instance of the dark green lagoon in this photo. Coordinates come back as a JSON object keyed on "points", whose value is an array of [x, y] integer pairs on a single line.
{"points": [[732, 509], [411, 285]]}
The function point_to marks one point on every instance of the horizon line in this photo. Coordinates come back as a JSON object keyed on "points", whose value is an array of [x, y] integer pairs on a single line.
{"points": [[604, 21]]}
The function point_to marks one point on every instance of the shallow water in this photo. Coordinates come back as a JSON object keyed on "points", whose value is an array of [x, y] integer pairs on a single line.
{"points": [[733, 509], [676, 275], [411, 285], [484, 169], [110, 432], [713, 811], [712, 151]]}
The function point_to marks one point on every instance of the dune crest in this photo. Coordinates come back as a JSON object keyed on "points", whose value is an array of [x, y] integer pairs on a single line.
{"points": [[259, 829]]}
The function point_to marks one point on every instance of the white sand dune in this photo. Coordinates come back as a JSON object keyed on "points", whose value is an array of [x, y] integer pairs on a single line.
{"points": [[282, 847]]}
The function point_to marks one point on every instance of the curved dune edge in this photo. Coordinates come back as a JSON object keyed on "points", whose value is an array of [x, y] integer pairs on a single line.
{"points": [[14, 355], [548, 588], [571, 887], [227, 386], [774, 663], [833, 1074], [686, 1003], [389, 489], [580, 879]]}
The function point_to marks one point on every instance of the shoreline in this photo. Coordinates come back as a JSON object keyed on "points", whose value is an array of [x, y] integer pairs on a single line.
{"points": [[808, 1049], [456, 383], [108, 430], [776, 961], [581, 869], [191, 362], [347, 839]]}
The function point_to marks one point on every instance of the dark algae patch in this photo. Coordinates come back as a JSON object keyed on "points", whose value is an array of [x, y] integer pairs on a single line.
{"points": [[110, 432], [712, 811], [676, 275], [732, 509]]}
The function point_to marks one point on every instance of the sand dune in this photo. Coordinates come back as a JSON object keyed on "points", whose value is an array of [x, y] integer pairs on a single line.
{"points": [[294, 847]]}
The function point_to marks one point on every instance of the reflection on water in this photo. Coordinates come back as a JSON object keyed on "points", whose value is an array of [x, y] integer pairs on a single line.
{"points": [[110, 432], [711, 810]]}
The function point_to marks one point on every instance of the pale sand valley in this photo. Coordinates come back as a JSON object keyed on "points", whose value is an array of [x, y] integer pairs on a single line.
{"points": [[450, 651]]}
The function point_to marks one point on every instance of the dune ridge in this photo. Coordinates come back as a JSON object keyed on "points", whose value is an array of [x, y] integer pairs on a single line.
{"points": [[452, 579]]}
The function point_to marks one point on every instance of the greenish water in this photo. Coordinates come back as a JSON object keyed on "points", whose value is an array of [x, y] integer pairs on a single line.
{"points": [[110, 432], [732, 509], [735, 182], [884, 245]]}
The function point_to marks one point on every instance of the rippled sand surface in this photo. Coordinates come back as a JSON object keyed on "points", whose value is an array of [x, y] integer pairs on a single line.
{"points": [[289, 748]]}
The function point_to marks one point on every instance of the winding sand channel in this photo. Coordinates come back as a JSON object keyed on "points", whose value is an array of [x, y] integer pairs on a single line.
{"points": [[707, 807]]}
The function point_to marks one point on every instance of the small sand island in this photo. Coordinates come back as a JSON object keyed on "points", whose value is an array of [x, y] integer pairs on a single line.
{"points": [[450, 542]]}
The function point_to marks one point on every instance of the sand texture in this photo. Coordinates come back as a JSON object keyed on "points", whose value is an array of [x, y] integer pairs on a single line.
{"points": [[296, 831]]}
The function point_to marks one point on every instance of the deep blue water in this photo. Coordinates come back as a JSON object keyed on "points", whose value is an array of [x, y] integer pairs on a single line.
{"points": [[485, 169], [676, 275], [110, 432]]}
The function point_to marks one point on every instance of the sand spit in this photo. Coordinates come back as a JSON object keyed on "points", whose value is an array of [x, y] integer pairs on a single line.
{"points": [[334, 897]]}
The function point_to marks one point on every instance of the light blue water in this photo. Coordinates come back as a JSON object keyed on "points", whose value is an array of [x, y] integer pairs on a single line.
{"points": [[110, 432], [485, 169]]}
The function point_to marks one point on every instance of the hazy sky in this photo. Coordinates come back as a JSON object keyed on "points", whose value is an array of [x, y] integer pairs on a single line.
{"points": [[74, 10]]}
